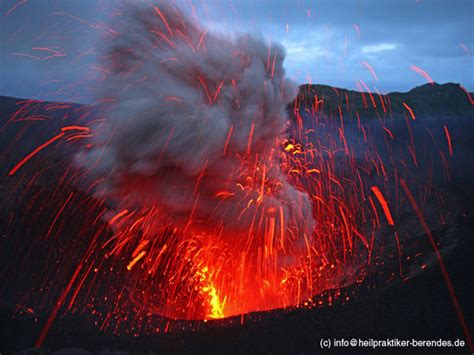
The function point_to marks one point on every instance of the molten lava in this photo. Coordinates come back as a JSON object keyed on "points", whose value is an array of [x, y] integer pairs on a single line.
{"points": [[190, 155]]}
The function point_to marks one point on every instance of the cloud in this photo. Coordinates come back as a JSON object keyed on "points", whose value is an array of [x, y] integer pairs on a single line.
{"points": [[321, 39], [305, 51], [379, 47]]}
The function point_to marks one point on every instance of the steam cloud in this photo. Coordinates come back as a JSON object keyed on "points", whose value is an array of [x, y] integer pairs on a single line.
{"points": [[192, 127]]}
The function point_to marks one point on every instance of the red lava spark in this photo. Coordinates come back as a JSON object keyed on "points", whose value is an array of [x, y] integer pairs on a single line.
{"points": [[384, 204], [448, 138], [118, 216], [439, 258], [370, 69], [14, 7], [75, 128], [357, 30], [423, 73], [410, 111], [57, 307], [465, 48], [34, 152], [468, 94]]}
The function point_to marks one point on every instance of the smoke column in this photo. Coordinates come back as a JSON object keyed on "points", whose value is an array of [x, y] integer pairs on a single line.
{"points": [[192, 124]]}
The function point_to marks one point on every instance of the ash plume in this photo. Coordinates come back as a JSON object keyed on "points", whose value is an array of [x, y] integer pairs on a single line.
{"points": [[193, 128]]}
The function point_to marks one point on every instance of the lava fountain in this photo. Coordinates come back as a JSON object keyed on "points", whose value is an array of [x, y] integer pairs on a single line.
{"points": [[189, 155]]}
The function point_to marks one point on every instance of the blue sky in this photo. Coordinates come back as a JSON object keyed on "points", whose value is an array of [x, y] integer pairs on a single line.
{"points": [[49, 47]]}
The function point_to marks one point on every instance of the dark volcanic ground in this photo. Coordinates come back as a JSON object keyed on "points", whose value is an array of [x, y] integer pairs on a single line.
{"points": [[383, 306]]}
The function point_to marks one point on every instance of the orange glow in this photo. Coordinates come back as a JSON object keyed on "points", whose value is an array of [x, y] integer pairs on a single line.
{"points": [[135, 260], [412, 115], [209, 290], [34, 152], [448, 138], [423, 73], [384, 204]]}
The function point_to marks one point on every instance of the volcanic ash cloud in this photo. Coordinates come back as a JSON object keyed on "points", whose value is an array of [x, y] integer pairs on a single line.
{"points": [[193, 129]]}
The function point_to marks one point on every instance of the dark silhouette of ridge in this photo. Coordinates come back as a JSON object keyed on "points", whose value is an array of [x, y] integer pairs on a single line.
{"points": [[429, 100]]}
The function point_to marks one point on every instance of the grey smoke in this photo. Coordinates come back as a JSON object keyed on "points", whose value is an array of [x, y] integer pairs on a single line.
{"points": [[173, 95]]}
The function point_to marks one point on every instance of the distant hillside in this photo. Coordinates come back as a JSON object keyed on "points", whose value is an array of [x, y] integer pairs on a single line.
{"points": [[15, 109], [430, 100], [446, 100]]}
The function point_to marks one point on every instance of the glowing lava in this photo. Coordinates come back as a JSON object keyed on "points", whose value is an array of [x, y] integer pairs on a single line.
{"points": [[209, 290], [190, 156]]}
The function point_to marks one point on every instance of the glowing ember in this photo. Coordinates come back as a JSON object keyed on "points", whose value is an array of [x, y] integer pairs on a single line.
{"points": [[194, 156], [207, 287]]}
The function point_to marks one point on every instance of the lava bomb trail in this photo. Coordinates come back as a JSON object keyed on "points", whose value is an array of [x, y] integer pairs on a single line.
{"points": [[189, 156]]}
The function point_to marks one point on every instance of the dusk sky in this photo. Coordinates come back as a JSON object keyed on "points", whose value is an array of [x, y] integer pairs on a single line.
{"points": [[49, 48]]}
